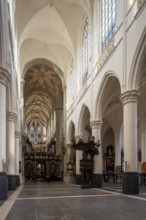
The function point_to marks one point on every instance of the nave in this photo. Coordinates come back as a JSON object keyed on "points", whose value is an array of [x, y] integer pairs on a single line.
{"points": [[59, 201]]}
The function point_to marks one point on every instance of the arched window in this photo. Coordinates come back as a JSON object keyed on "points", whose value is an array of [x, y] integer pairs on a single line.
{"points": [[108, 21], [32, 133], [85, 52], [39, 134], [44, 134]]}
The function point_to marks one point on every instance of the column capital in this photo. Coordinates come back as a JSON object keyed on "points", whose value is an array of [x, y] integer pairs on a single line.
{"points": [[4, 76], [17, 134], [11, 116], [130, 96], [96, 124]]}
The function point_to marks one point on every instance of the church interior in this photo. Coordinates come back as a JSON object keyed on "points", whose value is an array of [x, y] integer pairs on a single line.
{"points": [[72, 103]]}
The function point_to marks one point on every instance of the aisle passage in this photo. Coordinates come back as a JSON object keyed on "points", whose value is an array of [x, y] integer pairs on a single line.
{"points": [[58, 201]]}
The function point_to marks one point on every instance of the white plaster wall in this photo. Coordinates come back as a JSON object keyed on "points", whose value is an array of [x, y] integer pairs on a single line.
{"points": [[115, 62], [134, 34]]}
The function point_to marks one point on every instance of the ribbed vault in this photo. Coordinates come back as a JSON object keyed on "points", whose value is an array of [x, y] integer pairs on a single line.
{"points": [[42, 90]]}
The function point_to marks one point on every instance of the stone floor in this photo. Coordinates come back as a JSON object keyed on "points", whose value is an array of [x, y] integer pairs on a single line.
{"points": [[58, 201]]}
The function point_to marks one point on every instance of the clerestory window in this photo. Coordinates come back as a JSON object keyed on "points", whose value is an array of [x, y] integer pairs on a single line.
{"points": [[85, 52], [39, 134], [32, 133], [108, 21]]}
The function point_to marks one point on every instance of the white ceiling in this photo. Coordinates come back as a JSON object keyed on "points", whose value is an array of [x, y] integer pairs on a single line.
{"points": [[48, 34]]}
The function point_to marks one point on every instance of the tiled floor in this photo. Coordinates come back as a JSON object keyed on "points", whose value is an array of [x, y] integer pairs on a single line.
{"points": [[58, 201]]}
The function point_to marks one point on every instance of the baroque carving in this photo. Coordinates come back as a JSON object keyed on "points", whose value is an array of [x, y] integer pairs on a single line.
{"points": [[77, 137], [130, 96], [96, 124], [4, 76], [11, 116], [106, 53]]}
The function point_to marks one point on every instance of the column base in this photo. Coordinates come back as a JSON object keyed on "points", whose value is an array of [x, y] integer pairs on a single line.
{"points": [[78, 179], [130, 183], [11, 182], [17, 180], [97, 180], [69, 179], [3, 186]]}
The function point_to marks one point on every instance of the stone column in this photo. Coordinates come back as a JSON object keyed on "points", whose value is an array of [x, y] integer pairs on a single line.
{"points": [[98, 159], [58, 130], [117, 150], [11, 159], [17, 140], [68, 174], [130, 179], [11, 142], [22, 115], [21, 161], [4, 78], [78, 177]]}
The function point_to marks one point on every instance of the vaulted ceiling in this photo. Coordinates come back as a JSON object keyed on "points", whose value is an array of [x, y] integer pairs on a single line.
{"points": [[42, 91], [48, 32]]}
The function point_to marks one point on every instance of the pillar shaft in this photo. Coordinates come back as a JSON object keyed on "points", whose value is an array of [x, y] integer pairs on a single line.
{"points": [[4, 78], [78, 177], [58, 130], [2, 126], [130, 183], [11, 142], [117, 151], [129, 100], [17, 140], [78, 156], [98, 159]]}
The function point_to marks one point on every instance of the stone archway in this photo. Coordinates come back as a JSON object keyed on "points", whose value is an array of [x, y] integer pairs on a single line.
{"points": [[71, 153], [110, 111], [70, 160], [84, 123], [137, 81], [141, 85]]}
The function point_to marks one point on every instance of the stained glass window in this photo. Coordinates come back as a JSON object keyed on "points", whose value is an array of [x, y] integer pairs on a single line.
{"points": [[39, 134], [32, 133], [108, 21], [85, 52], [44, 134]]}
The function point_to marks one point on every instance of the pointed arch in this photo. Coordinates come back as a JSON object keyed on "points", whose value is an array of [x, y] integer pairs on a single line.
{"points": [[103, 87], [84, 121], [138, 63], [71, 132]]}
